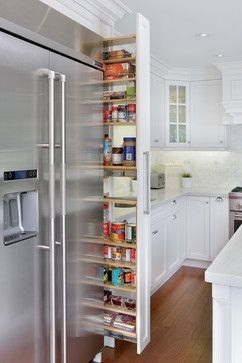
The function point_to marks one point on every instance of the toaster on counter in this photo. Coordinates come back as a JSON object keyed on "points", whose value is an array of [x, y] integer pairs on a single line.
{"points": [[157, 181]]}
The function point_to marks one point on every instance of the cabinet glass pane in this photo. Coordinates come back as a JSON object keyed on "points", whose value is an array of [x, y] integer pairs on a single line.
{"points": [[182, 114], [182, 133], [173, 133], [173, 94], [173, 113], [181, 94]]}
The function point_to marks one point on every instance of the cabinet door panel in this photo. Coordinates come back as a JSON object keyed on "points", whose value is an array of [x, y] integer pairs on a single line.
{"points": [[198, 228], [157, 122], [219, 225], [207, 128], [172, 241], [158, 267]]}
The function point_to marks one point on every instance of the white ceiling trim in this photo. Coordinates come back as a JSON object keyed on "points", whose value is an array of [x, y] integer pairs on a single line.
{"points": [[99, 16]]}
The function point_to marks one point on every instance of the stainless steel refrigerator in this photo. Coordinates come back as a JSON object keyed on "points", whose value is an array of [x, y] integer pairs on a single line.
{"points": [[50, 117]]}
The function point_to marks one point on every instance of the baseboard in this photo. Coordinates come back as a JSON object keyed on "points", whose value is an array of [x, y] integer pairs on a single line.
{"points": [[196, 263]]}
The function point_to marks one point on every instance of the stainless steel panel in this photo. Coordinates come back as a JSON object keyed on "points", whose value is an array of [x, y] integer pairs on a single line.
{"points": [[83, 148], [47, 25], [24, 299]]}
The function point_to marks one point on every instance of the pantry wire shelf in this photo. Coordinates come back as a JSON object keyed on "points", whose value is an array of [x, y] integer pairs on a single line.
{"points": [[108, 307], [120, 100], [108, 285], [107, 262], [105, 241]]}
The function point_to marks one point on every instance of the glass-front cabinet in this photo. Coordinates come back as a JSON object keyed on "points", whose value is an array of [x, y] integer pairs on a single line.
{"points": [[177, 114]]}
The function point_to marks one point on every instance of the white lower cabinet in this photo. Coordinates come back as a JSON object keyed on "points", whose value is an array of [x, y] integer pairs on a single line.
{"points": [[168, 241], [219, 225], [198, 228]]}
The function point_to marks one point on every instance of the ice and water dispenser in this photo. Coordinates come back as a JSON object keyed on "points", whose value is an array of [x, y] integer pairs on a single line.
{"points": [[20, 212]]}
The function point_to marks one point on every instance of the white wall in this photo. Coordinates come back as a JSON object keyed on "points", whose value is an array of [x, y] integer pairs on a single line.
{"points": [[216, 169]]}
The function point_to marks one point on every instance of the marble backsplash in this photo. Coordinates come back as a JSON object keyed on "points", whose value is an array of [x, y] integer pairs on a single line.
{"points": [[208, 168]]}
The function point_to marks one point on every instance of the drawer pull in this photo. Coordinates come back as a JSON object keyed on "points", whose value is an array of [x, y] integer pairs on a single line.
{"points": [[155, 232], [174, 217]]}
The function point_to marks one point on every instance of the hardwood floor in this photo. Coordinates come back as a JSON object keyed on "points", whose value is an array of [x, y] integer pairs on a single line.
{"points": [[181, 327]]}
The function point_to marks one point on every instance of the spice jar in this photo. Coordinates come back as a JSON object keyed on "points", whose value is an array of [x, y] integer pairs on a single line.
{"points": [[117, 155], [122, 113], [114, 113], [129, 151]]}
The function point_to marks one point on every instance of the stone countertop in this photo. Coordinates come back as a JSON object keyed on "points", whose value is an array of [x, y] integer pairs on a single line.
{"points": [[160, 196], [226, 269]]}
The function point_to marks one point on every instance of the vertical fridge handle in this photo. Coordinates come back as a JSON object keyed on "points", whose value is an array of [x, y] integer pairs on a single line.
{"points": [[62, 78], [51, 78], [147, 176]]}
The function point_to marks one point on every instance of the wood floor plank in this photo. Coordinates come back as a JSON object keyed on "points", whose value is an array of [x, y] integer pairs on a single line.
{"points": [[181, 324]]}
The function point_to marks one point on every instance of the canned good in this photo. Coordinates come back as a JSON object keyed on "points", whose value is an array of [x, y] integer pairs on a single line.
{"points": [[117, 232], [106, 229], [129, 151], [133, 255], [127, 276], [117, 253], [133, 278], [107, 252], [126, 254], [130, 232], [117, 277], [122, 113], [131, 112]]}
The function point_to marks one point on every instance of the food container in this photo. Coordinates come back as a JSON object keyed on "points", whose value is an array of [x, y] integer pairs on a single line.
{"points": [[130, 233], [107, 295], [133, 255], [107, 115], [133, 279], [107, 252], [114, 113], [130, 304], [127, 276], [116, 300], [130, 90], [118, 232], [119, 53], [129, 151], [122, 113], [107, 150], [116, 253], [126, 254], [117, 155], [119, 70], [118, 95], [131, 110], [117, 277]]}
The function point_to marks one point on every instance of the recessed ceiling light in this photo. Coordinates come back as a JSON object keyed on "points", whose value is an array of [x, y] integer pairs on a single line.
{"points": [[220, 55], [203, 35]]}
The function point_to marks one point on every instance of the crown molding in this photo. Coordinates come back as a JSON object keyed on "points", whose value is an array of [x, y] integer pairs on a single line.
{"points": [[230, 68], [99, 16]]}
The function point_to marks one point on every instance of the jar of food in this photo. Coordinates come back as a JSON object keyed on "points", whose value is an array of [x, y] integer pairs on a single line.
{"points": [[114, 113], [122, 113], [131, 112], [117, 155], [129, 151]]}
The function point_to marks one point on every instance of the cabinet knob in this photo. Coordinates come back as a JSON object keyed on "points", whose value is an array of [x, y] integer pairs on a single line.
{"points": [[174, 217], [154, 232], [219, 199], [174, 202], [221, 142], [156, 140]]}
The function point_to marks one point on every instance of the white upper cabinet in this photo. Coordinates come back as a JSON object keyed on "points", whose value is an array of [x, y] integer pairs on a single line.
{"points": [[157, 114], [177, 114], [207, 129]]}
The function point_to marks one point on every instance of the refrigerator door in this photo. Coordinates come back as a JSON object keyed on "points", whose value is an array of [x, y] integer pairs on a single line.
{"points": [[84, 135], [23, 279]]}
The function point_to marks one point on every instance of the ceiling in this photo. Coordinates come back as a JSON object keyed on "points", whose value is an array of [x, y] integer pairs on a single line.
{"points": [[175, 25]]}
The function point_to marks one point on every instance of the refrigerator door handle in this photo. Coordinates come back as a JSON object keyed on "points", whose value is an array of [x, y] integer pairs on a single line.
{"points": [[62, 79], [51, 152], [147, 186]]}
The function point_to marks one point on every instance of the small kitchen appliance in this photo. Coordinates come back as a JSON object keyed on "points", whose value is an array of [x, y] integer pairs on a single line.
{"points": [[157, 180]]}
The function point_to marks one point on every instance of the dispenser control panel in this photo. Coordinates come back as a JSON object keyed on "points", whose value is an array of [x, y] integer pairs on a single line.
{"points": [[19, 174]]}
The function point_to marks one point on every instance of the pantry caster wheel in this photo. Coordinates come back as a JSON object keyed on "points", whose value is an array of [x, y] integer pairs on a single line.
{"points": [[98, 358]]}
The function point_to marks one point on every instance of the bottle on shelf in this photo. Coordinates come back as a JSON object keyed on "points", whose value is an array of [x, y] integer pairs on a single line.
{"points": [[107, 150]]}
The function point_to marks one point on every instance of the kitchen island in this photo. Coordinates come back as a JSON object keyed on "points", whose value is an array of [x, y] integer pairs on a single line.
{"points": [[225, 274]]}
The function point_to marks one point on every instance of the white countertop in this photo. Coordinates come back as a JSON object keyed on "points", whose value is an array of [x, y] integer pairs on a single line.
{"points": [[226, 269], [159, 196]]}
